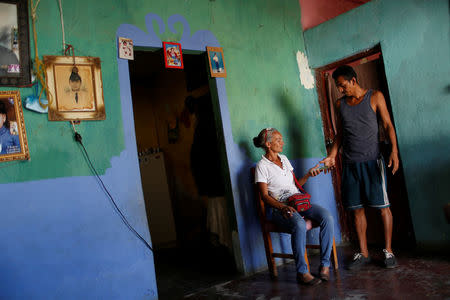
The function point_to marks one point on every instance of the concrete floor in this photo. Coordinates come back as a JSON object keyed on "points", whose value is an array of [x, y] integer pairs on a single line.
{"points": [[183, 271], [417, 276]]}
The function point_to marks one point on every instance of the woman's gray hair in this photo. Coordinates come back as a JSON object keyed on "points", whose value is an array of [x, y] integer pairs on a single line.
{"points": [[263, 137]]}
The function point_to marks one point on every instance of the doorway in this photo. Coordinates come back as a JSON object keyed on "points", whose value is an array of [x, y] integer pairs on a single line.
{"points": [[182, 178], [369, 67]]}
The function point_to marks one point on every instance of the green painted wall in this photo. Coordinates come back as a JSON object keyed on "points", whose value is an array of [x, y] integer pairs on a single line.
{"points": [[414, 37], [260, 39]]}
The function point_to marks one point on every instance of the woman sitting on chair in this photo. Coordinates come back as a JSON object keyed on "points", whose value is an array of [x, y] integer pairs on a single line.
{"points": [[275, 179]]}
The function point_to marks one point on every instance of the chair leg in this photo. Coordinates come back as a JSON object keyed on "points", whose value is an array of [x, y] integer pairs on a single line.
{"points": [[336, 265], [306, 259], [270, 259]]}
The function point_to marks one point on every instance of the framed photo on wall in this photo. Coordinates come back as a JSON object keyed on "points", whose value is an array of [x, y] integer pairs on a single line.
{"points": [[13, 137], [75, 88], [173, 56], [14, 43], [216, 62]]}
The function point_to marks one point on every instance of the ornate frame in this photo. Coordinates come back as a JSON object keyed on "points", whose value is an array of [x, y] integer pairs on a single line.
{"points": [[11, 100]]}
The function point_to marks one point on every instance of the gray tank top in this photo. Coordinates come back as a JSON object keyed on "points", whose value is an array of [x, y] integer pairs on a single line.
{"points": [[360, 130]]}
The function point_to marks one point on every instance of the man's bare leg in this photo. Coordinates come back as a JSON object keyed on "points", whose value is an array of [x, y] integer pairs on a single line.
{"points": [[360, 259], [361, 227], [386, 216]]}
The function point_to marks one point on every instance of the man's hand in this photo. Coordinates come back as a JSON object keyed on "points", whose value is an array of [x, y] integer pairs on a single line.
{"points": [[329, 162], [393, 161]]}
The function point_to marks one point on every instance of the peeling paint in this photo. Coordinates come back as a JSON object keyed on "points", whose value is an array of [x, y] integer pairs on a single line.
{"points": [[306, 76]]}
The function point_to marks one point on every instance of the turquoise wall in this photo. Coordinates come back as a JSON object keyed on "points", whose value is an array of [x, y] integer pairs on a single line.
{"points": [[62, 238], [260, 39], [414, 38]]}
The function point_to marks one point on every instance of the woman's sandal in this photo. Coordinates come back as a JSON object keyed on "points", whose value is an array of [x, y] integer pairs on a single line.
{"points": [[324, 276], [314, 281]]}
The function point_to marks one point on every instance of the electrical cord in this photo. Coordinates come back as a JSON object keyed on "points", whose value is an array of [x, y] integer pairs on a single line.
{"points": [[78, 138]]}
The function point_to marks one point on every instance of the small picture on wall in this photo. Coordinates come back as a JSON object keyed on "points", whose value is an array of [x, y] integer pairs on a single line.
{"points": [[75, 88], [173, 56], [13, 138], [126, 48], [216, 62]]}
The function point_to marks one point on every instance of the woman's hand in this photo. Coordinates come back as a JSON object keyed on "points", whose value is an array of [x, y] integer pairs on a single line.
{"points": [[288, 211], [314, 171]]}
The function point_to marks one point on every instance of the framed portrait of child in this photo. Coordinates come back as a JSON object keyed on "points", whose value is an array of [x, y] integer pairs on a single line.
{"points": [[13, 137]]}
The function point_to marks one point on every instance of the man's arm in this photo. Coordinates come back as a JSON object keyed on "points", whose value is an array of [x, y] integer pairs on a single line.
{"points": [[330, 160], [380, 107]]}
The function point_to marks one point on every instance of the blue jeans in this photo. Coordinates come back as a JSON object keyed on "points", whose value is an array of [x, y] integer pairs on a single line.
{"points": [[297, 227]]}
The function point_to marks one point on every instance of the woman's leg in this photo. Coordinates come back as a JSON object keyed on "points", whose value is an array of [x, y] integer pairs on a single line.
{"points": [[297, 227], [326, 223]]}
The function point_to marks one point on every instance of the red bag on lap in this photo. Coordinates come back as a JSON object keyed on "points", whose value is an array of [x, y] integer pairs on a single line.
{"points": [[299, 201]]}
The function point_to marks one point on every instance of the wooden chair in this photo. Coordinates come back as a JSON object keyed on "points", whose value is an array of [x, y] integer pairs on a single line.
{"points": [[267, 227]]}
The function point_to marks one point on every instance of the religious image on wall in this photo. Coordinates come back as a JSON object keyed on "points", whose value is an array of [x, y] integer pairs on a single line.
{"points": [[216, 62], [173, 56]]}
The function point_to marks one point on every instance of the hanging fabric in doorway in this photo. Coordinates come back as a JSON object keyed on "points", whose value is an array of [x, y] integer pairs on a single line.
{"points": [[173, 131]]}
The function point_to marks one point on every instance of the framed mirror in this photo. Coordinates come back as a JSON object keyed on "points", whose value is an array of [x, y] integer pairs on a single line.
{"points": [[14, 43]]}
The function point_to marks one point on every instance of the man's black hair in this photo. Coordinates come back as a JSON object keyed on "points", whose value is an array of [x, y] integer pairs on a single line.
{"points": [[346, 71], [2, 108], [3, 111], [74, 77]]}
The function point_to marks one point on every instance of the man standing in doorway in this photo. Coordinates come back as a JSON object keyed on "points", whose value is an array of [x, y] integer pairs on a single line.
{"points": [[363, 178]]}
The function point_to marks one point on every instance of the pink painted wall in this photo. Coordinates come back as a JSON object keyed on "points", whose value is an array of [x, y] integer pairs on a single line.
{"points": [[315, 12]]}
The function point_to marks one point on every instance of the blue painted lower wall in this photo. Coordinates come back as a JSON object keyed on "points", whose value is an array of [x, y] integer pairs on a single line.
{"points": [[62, 239]]}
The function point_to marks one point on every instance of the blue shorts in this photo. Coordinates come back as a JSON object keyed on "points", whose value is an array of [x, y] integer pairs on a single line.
{"points": [[364, 184]]}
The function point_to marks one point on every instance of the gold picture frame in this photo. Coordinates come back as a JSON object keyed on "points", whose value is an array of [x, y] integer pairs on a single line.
{"points": [[13, 137], [75, 88]]}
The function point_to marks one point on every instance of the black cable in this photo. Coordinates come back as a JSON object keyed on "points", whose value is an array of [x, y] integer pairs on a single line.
{"points": [[78, 138]]}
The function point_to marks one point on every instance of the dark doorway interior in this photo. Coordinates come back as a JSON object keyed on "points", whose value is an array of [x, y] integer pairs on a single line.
{"points": [[181, 173], [370, 71]]}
